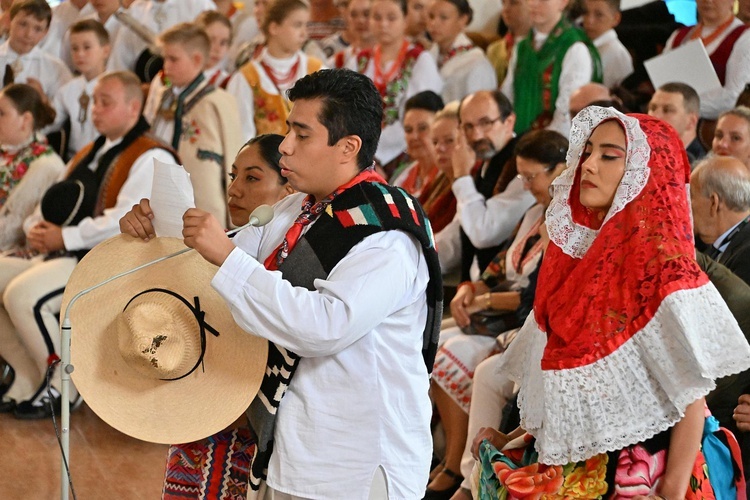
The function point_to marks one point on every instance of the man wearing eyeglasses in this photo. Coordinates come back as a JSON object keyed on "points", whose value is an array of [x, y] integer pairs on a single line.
{"points": [[491, 200]]}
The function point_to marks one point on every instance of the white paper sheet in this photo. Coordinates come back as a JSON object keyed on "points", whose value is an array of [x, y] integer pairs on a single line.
{"points": [[688, 64], [171, 196]]}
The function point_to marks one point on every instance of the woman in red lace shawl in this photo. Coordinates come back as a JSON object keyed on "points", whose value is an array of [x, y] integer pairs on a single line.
{"points": [[627, 334]]}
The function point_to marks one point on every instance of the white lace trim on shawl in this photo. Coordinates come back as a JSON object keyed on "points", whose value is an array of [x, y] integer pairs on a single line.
{"points": [[575, 239], [617, 401]]}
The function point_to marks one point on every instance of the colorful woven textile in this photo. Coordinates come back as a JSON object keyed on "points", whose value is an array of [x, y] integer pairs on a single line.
{"points": [[215, 468]]}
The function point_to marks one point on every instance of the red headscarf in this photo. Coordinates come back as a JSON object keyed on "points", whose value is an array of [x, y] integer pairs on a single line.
{"points": [[627, 331]]}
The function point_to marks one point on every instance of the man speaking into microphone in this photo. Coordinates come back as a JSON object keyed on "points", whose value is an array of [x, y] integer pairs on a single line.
{"points": [[345, 284]]}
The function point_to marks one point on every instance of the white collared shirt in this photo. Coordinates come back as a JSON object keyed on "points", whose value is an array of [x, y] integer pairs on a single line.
{"points": [[617, 63], [67, 104], [50, 71], [359, 398], [465, 73]]}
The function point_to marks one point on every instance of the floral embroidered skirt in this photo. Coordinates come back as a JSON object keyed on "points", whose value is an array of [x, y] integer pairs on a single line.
{"points": [[636, 470]]}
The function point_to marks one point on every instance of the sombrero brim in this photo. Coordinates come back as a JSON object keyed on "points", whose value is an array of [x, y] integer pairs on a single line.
{"points": [[170, 412]]}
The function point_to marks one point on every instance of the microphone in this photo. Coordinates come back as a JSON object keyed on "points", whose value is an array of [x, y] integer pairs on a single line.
{"points": [[261, 216]]}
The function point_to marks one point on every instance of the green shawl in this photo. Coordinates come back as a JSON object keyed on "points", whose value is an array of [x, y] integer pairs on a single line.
{"points": [[535, 82]]}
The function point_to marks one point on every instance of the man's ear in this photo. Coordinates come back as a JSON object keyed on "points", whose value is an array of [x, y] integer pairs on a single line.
{"points": [[350, 147], [715, 204]]}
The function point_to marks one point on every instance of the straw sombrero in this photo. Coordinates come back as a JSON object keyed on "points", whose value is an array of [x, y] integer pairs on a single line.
{"points": [[136, 343]]}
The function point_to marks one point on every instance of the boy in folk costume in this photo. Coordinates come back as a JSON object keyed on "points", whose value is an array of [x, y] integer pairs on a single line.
{"points": [[260, 85], [20, 55], [547, 66], [199, 120], [89, 45]]}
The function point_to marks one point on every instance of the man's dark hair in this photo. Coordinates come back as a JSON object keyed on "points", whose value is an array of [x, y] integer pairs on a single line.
{"points": [[503, 103], [426, 100], [690, 98], [351, 105]]}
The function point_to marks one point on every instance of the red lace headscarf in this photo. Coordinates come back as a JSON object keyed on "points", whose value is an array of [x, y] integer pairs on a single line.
{"points": [[615, 349]]}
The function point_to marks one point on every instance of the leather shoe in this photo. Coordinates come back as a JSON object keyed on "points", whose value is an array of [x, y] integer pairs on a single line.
{"points": [[447, 493], [7, 406], [36, 410]]}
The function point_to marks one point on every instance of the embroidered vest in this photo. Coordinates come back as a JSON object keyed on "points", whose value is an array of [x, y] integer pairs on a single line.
{"points": [[355, 214], [271, 110], [720, 56]]}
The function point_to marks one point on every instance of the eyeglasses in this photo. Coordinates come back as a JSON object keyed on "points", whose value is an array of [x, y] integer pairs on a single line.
{"points": [[483, 125], [528, 179]]}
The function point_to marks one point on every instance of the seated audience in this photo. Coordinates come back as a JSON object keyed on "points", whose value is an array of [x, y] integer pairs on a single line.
{"points": [[109, 175], [600, 18], [552, 61], [355, 36], [463, 66], [399, 69], [437, 199], [679, 105], [489, 307], [419, 115], [28, 166], [89, 45], [102, 11], [720, 197], [20, 55], [727, 42], [516, 17], [732, 135], [490, 199], [198, 120], [260, 85]]}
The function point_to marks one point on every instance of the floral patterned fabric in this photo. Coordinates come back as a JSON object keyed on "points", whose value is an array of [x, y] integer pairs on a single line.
{"points": [[395, 88], [626, 473], [15, 164]]}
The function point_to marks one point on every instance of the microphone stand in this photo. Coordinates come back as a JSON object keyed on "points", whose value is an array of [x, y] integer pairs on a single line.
{"points": [[260, 217]]}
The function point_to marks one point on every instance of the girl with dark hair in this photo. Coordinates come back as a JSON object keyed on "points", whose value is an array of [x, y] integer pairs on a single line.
{"points": [[487, 312], [28, 166], [464, 67], [399, 69], [220, 462]]}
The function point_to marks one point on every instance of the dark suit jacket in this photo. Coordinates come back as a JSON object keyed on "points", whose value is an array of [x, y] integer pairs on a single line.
{"points": [[737, 255]]}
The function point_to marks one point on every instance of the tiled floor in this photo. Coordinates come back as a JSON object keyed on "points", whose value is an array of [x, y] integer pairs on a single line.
{"points": [[105, 464]]}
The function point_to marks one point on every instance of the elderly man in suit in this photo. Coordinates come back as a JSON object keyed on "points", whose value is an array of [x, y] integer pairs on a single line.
{"points": [[720, 197]]}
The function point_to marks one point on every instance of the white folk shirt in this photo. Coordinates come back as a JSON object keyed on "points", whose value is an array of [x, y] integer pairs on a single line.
{"points": [[156, 16], [738, 68], [617, 63], [67, 103], [93, 230], [359, 398], [240, 88], [49, 70], [424, 76], [577, 69], [465, 73]]}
